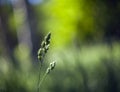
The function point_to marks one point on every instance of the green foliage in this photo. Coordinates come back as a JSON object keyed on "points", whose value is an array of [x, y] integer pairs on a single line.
{"points": [[73, 20], [88, 68], [77, 70]]}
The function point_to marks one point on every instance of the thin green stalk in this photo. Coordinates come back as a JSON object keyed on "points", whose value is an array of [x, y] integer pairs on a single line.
{"points": [[39, 78], [45, 75], [49, 69], [41, 53]]}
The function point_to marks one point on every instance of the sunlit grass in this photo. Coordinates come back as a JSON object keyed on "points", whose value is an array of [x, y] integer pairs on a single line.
{"points": [[74, 66]]}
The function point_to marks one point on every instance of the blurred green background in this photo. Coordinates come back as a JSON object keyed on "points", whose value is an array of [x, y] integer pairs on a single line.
{"points": [[85, 43]]}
